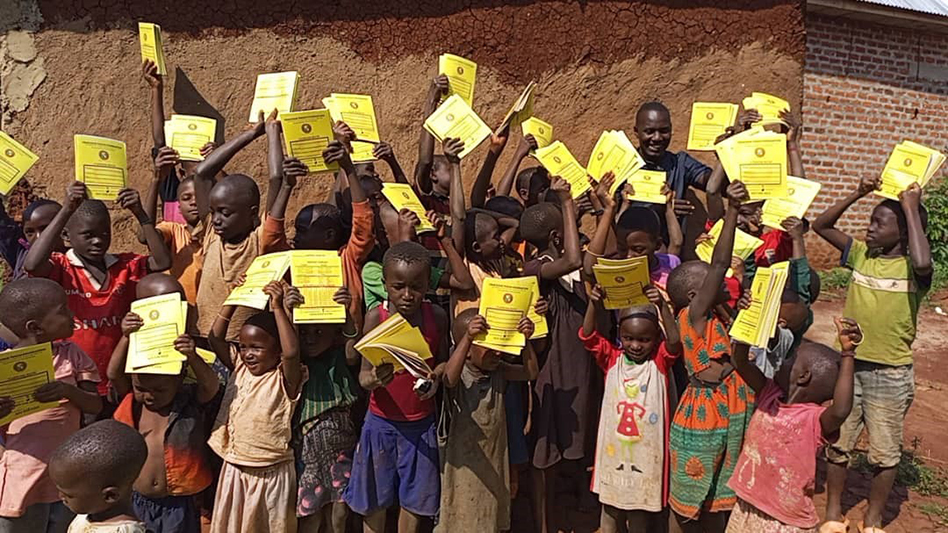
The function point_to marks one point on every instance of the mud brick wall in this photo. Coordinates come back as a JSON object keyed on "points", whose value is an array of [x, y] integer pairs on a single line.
{"points": [[867, 87]]}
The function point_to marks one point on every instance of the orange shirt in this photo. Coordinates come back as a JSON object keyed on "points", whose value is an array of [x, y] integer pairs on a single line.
{"points": [[187, 254], [355, 253]]}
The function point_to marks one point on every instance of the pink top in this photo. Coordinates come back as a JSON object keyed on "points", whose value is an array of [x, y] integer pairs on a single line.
{"points": [[777, 467], [30, 440]]}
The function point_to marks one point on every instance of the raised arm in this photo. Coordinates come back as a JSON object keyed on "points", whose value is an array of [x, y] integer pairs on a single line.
{"points": [[672, 333], [482, 181], [795, 229], [37, 259], [530, 368], [507, 182], [115, 371], [165, 162], [207, 381], [825, 224], [794, 132], [274, 159], [593, 310], [459, 278], [452, 148], [290, 363], [597, 246], [676, 237], [217, 337], [849, 336], [452, 370], [572, 258], [384, 152], [919, 249], [207, 170], [157, 85], [748, 371], [159, 258], [291, 170], [705, 299], [438, 87]]}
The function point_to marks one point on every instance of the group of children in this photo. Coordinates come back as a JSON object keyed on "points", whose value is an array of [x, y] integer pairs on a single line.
{"points": [[290, 429]]}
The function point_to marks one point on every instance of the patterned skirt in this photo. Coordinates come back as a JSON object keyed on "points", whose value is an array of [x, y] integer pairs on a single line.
{"points": [[324, 461]]}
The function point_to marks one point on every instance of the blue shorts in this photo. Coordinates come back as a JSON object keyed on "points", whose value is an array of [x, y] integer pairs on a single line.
{"points": [[395, 462], [516, 440], [171, 514]]}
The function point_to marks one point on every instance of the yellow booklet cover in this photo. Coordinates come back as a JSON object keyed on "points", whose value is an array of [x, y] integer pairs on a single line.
{"points": [[398, 343], [558, 161], [153, 344], [800, 194], [540, 327], [263, 270], [614, 152], [402, 196], [744, 244], [318, 275], [15, 161], [504, 302], [709, 120], [769, 107], [306, 135], [541, 131], [624, 282], [22, 371], [101, 165], [757, 324], [149, 37], [909, 163], [758, 158], [358, 112], [454, 119], [275, 90], [461, 75], [648, 186], [521, 110], [187, 134]]}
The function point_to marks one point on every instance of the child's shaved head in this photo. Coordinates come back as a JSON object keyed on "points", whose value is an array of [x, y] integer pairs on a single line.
{"points": [[28, 299], [685, 278], [319, 227], [158, 284], [241, 185], [532, 184], [459, 328], [407, 252], [235, 204], [538, 221], [89, 211], [822, 364]]}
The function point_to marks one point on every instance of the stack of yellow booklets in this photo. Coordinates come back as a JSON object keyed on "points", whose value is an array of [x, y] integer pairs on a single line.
{"points": [[521, 110], [757, 324], [647, 186], [263, 270], [151, 348], [623, 281], [454, 119], [559, 161], [769, 107], [101, 165], [276, 90], [22, 371], [402, 196], [461, 75], [614, 153], [15, 161], [399, 344], [757, 158], [149, 37], [187, 134], [318, 275], [909, 163], [744, 244], [306, 135], [541, 131], [358, 112], [504, 302], [709, 120], [800, 194]]}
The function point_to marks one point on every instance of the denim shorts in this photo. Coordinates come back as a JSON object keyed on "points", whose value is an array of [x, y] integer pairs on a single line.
{"points": [[882, 395]]}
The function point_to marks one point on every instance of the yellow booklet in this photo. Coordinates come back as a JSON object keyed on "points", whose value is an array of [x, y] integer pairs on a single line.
{"points": [[541, 131], [758, 158], [318, 275], [276, 90], [521, 110], [456, 120], [402, 196], [624, 282], [306, 135], [187, 134], [358, 112], [558, 161], [504, 302], [149, 37], [614, 152], [398, 343], [22, 371], [648, 185], [163, 320], [15, 161], [909, 163], [461, 74], [263, 270], [101, 165], [744, 244], [757, 324], [709, 120], [800, 194], [540, 327], [768, 106]]}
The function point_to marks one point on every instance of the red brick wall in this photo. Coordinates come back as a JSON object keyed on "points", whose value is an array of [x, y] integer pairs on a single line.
{"points": [[865, 88]]}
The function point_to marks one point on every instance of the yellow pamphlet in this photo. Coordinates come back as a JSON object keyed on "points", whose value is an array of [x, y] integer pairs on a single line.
{"points": [[149, 37], [709, 120], [558, 161], [461, 75], [744, 244], [318, 275], [187, 134], [768, 106], [306, 135], [757, 324], [504, 302], [455, 119], [263, 270], [101, 165], [758, 158], [402, 196], [800, 194], [909, 163], [614, 152], [521, 110], [540, 327], [541, 131], [647, 186], [398, 343], [358, 112], [153, 344], [275, 90], [15, 161], [22, 371], [624, 282]]}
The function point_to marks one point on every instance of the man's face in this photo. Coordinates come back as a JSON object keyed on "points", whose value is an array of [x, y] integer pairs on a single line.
{"points": [[654, 129]]}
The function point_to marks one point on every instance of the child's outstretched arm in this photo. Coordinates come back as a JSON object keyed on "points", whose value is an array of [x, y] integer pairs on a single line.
{"points": [[165, 162], [207, 381], [795, 229], [530, 368], [705, 299], [83, 395], [748, 371], [290, 172], [217, 337], [290, 363], [572, 258], [672, 333], [604, 230], [919, 249], [157, 84], [510, 176], [794, 132], [452, 370], [825, 224], [850, 335], [274, 159], [160, 257], [593, 310], [438, 87], [116, 369], [336, 152], [676, 237], [459, 278], [37, 262], [384, 152], [452, 149], [482, 181]]}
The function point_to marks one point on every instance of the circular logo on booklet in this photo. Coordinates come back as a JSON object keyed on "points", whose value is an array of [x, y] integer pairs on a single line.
{"points": [[908, 162], [154, 314], [354, 105], [599, 156], [9, 152], [103, 155], [709, 116], [541, 129], [405, 195], [646, 177], [460, 70], [759, 152], [449, 117], [19, 366], [265, 264], [508, 298], [620, 279], [557, 159], [306, 128], [192, 126], [791, 191]]}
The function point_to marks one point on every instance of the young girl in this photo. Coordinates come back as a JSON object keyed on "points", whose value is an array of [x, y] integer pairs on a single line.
{"points": [[257, 486], [631, 469]]}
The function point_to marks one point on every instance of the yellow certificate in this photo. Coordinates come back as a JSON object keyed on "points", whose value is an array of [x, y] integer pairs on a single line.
{"points": [[757, 324], [187, 134], [358, 112], [709, 120], [624, 282], [744, 244], [800, 194], [461, 74], [15, 161], [153, 344], [768, 106], [762, 163], [558, 161], [101, 165], [614, 152], [648, 185], [504, 302], [521, 110], [318, 275], [398, 343], [276, 90], [263, 270], [307, 134], [909, 163], [402, 196], [454, 119], [149, 37], [540, 327], [22, 371], [541, 131]]}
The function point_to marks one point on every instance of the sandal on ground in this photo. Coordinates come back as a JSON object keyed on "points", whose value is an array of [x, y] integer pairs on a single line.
{"points": [[832, 526]]}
